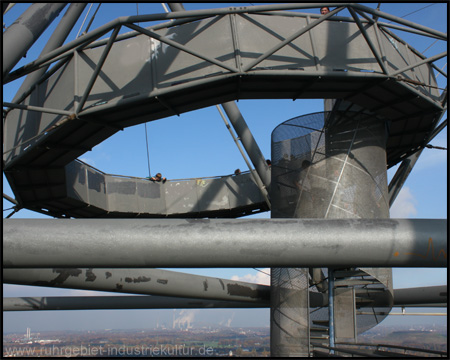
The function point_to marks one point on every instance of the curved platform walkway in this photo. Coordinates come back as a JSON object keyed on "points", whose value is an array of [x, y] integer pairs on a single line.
{"points": [[161, 72], [91, 193]]}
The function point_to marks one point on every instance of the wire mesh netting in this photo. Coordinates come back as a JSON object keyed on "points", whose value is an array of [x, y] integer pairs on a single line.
{"points": [[289, 312], [328, 165]]}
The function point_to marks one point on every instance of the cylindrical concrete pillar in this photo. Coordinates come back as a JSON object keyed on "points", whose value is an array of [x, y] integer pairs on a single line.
{"points": [[324, 165]]}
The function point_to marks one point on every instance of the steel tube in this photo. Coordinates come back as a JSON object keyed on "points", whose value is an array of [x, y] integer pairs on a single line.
{"points": [[44, 77], [57, 39], [141, 281], [421, 295], [131, 34], [248, 141], [290, 39], [22, 34], [255, 175], [368, 40], [409, 297], [425, 61], [407, 165], [149, 282], [409, 314], [10, 199], [155, 93], [100, 31], [98, 67], [5, 7], [136, 243], [210, 12], [61, 51], [38, 109], [115, 302], [331, 308], [399, 20], [181, 47]]}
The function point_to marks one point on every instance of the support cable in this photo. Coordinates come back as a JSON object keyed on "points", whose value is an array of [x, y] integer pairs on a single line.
{"points": [[261, 271], [92, 19], [255, 176], [442, 70], [434, 42], [148, 155], [415, 82], [402, 17], [145, 124], [81, 27], [429, 146], [137, 13]]}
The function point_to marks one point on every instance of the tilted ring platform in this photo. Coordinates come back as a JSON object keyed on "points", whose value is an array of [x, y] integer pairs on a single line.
{"points": [[166, 70]]}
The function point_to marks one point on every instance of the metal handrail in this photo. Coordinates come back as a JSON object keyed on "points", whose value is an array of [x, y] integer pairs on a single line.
{"points": [[346, 351], [406, 348], [146, 178], [97, 33]]}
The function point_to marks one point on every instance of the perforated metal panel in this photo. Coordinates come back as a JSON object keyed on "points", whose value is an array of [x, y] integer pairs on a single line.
{"points": [[289, 312], [345, 314], [331, 165]]}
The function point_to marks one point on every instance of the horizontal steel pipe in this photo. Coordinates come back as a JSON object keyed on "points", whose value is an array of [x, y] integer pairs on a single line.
{"points": [[150, 282], [116, 302], [159, 302], [421, 295], [141, 281], [100, 31], [150, 243]]}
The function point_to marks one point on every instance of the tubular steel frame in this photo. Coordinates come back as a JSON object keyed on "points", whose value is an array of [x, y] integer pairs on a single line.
{"points": [[418, 247]]}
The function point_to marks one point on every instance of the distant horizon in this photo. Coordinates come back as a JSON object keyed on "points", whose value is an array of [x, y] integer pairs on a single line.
{"points": [[439, 321]]}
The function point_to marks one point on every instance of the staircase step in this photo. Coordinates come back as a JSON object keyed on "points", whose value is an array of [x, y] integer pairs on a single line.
{"points": [[320, 322], [348, 273], [352, 282]]}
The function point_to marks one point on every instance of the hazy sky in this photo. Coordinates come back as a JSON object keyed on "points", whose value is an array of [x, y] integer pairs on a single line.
{"points": [[197, 144]]}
